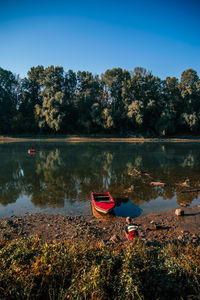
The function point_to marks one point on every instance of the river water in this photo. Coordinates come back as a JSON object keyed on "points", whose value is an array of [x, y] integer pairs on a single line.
{"points": [[60, 177]]}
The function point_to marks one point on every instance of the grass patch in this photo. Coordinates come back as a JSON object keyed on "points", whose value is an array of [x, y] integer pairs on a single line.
{"points": [[33, 269]]}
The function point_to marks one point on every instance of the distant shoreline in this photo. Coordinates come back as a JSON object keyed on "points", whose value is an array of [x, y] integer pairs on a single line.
{"points": [[80, 139]]}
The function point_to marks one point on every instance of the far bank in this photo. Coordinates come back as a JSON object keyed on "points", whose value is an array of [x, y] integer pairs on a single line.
{"points": [[96, 138]]}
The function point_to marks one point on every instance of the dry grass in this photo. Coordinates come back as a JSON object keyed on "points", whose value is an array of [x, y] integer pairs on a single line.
{"points": [[33, 269]]}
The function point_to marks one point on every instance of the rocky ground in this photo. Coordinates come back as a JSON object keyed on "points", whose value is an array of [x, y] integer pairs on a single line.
{"points": [[153, 229]]}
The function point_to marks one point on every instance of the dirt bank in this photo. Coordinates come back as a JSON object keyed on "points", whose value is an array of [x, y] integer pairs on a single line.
{"points": [[112, 139], [153, 229]]}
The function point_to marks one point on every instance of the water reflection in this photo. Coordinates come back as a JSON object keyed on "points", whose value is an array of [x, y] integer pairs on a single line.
{"points": [[102, 216], [60, 173]]}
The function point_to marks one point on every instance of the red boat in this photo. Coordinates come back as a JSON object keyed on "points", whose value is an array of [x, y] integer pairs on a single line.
{"points": [[103, 202], [32, 150]]}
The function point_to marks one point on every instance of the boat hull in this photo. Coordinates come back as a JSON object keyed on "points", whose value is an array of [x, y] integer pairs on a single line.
{"points": [[31, 151], [103, 202]]}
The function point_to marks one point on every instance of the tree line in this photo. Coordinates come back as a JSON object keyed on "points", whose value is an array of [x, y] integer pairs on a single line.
{"points": [[50, 100]]}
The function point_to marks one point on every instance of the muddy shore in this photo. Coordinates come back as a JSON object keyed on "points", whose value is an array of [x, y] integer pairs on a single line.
{"points": [[154, 229]]}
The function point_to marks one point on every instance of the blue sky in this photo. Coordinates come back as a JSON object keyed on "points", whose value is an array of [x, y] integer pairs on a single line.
{"points": [[161, 36]]}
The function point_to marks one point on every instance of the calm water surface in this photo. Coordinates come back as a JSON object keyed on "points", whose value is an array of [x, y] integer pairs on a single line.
{"points": [[60, 177]]}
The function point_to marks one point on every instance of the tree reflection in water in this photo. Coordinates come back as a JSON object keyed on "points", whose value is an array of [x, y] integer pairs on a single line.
{"points": [[61, 172]]}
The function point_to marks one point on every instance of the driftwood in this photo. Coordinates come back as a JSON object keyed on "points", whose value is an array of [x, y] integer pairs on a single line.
{"points": [[157, 183], [183, 204], [184, 184], [191, 191], [138, 173]]}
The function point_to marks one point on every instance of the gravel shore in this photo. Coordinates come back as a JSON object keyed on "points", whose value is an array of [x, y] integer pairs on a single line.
{"points": [[154, 229]]}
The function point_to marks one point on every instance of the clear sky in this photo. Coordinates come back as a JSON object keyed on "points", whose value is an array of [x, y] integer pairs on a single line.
{"points": [[162, 36]]}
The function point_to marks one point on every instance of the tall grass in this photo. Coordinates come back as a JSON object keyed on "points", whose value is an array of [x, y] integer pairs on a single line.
{"points": [[33, 269]]}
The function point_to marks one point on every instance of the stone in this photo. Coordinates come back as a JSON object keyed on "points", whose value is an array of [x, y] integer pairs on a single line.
{"points": [[185, 232], [180, 237], [179, 212], [194, 236], [57, 236]]}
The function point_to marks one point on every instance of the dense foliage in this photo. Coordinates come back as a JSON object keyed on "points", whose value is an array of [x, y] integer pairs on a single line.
{"points": [[32, 269], [50, 100]]}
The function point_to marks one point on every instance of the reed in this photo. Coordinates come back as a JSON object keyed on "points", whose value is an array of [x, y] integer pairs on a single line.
{"points": [[33, 269]]}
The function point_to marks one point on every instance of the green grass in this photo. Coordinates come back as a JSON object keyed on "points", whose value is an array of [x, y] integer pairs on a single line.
{"points": [[33, 269]]}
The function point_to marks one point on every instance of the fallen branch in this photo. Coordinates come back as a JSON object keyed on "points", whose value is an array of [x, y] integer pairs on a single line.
{"points": [[157, 183], [191, 191]]}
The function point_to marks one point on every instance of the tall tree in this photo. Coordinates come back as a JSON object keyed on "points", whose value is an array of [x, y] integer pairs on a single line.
{"points": [[114, 81], [189, 87], [68, 108], [142, 99], [30, 97], [8, 101], [50, 114], [88, 100], [170, 107]]}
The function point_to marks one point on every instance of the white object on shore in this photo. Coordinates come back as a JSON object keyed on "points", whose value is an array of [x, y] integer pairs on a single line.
{"points": [[179, 212]]}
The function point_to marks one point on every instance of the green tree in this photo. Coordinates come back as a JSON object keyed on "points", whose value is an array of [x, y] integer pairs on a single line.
{"points": [[50, 113], [114, 81], [141, 96], [189, 87], [8, 101], [88, 101], [68, 108], [170, 106], [30, 97]]}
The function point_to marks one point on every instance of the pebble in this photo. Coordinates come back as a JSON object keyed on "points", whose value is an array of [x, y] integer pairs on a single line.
{"points": [[57, 236], [194, 236], [185, 232], [180, 237]]}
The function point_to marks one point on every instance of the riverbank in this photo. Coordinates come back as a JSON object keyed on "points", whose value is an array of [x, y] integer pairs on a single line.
{"points": [[154, 229], [96, 138], [62, 257]]}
